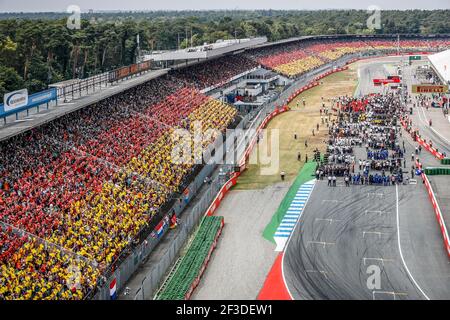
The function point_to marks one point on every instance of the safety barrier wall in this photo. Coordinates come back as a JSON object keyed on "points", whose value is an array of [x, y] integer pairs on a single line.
{"points": [[432, 150], [326, 74], [438, 213], [245, 157], [424, 144], [436, 209], [301, 90], [186, 275], [223, 191]]}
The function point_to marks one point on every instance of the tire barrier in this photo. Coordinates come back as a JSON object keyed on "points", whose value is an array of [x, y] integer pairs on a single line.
{"points": [[437, 171], [186, 276], [445, 161]]}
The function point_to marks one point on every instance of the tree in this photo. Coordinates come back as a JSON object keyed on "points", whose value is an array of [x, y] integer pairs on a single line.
{"points": [[10, 80]]}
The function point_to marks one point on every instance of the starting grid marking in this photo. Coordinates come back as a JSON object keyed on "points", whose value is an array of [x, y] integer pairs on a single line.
{"points": [[326, 220], [374, 194], [379, 234], [391, 293], [332, 201], [321, 243], [374, 212], [321, 272], [377, 259], [292, 215]]}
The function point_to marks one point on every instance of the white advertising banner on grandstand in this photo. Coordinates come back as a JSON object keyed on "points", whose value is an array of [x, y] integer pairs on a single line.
{"points": [[15, 100], [441, 62]]}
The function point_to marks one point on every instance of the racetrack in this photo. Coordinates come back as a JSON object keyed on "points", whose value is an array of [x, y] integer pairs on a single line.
{"points": [[243, 257], [377, 68], [344, 231]]}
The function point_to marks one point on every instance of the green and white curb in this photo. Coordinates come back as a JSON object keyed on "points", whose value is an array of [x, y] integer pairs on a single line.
{"points": [[292, 215]]}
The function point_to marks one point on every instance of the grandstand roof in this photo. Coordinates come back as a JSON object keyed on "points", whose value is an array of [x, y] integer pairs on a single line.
{"points": [[66, 108], [441, 63], [208, 50]]}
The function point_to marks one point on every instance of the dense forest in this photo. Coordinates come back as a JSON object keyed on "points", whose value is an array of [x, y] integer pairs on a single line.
{"points": [[37, 48]]}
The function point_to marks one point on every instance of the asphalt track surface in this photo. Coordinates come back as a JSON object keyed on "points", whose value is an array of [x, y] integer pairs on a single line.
{"points": [[243, 258], [440, 132], [346, 231], [377, 68]]}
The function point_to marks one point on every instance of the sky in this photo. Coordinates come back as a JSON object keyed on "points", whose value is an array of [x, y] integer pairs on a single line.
{"points": [[85, 5]]}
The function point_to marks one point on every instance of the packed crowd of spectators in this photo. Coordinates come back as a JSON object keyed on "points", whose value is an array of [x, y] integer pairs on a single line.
{"points": [[300, 57], [215, 72], [76, 192]]}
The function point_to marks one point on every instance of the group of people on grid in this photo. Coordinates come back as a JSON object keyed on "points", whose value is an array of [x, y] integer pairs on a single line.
{"points": [[362, 179], [383, 165]]}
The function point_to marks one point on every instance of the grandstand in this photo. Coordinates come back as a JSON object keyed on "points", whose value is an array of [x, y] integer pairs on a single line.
{"points": [[207, 51], [88, 183], [77, 193], [296, 58]]}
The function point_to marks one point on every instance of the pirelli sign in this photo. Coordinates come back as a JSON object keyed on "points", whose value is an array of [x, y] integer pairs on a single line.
{"points": [[424, 88]]}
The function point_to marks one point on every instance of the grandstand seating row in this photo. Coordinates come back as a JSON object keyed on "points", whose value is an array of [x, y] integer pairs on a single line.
{"points": [[70, 212]]}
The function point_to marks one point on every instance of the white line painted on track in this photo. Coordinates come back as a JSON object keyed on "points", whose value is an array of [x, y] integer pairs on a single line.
{"points": [[377, 259], [322, 243], [375, 194], [400, 247], [392, 293], [322, 272], [426, 123], [379, 234], [374, 211]]}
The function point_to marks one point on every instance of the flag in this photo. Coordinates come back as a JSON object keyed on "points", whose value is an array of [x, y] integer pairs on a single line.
{"points": [[173, 222], [113, 289], [160, 228]]}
